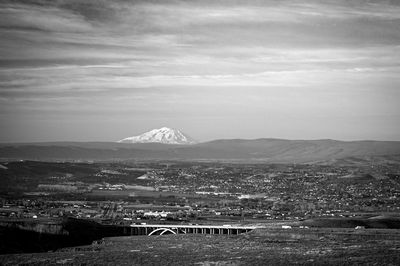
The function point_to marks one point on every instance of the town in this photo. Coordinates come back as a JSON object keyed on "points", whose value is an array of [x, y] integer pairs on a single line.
{"points": [[186, 192]]}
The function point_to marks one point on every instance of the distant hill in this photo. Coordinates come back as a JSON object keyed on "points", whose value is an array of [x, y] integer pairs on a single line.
{"points": [[269, 150]]}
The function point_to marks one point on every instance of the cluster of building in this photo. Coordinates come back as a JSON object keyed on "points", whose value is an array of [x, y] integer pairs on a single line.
{"points": [[220, 191]]}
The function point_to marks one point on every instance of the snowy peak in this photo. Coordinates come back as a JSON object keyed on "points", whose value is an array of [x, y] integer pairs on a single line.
{"points": [[162, 135]]}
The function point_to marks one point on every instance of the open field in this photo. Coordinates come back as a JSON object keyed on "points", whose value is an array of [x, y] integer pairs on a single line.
{"points": [[249, 249]]}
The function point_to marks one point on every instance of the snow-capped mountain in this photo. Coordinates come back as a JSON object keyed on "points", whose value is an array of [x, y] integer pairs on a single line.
{"points": [[162, 135]]}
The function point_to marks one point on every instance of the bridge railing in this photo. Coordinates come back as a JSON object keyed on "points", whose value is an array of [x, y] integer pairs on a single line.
{"points": [[152, 229]]}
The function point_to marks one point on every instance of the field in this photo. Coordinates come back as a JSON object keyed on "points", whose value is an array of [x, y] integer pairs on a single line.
{"points": [[250, 249]]}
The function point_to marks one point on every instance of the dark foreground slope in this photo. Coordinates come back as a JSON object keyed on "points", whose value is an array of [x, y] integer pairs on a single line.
{"points": [[270, 150], [27, 235]]}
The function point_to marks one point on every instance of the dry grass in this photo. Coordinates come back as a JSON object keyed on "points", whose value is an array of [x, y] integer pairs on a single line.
{"points": [[216, 250]]}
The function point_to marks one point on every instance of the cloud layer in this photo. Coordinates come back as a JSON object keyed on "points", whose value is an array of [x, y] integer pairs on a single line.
{"points": [[294, 69]]}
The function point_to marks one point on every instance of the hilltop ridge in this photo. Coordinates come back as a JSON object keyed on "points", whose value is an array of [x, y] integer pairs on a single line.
{"points": [[267, 150]]}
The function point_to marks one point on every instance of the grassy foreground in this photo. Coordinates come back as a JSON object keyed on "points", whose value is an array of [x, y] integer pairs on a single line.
{"points": [[249, 249]]}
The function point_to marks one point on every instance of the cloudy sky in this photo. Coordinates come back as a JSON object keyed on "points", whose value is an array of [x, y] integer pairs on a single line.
{"points": [[104, 70]]}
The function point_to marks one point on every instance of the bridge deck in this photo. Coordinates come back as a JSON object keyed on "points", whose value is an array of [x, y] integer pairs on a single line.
{"points": [[196, 226], [150, 229], [180, 226]]}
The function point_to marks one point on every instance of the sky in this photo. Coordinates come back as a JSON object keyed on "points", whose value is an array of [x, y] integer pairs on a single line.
{"points": [[105, 70]]}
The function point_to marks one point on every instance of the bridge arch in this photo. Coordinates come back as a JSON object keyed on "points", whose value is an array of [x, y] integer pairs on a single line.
{"points": [[163, 231]]}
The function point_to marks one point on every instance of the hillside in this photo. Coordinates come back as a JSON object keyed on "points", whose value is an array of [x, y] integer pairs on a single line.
{"points": [[269, 150]]}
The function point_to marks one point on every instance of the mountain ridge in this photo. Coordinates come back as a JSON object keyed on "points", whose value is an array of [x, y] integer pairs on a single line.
{"points": [[268, 150]]}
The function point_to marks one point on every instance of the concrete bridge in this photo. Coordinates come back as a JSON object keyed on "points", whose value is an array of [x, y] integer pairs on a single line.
{"points": [[160, 229]]}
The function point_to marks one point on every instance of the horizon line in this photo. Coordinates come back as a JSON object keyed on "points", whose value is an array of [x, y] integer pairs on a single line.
{"points": [[198, 142]]}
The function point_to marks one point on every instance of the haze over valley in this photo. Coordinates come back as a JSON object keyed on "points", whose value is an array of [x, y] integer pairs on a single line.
{"points": [[171, 144]]}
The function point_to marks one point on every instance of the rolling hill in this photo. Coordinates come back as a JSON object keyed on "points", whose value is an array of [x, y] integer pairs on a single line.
{"points": [[268, 150]]}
